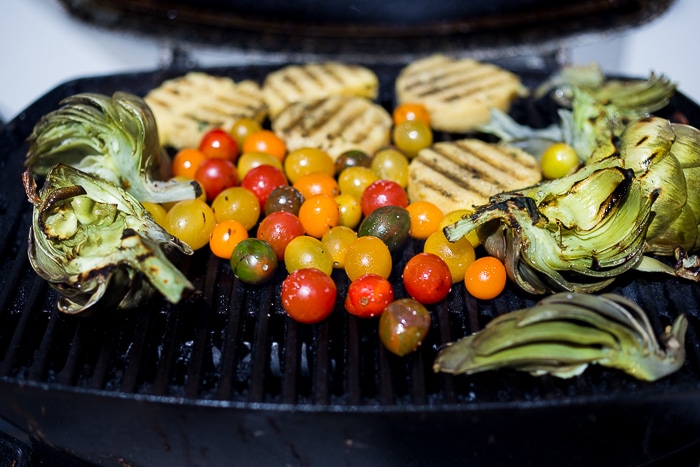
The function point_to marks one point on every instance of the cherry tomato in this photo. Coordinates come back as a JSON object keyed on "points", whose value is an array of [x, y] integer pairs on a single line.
{"points": [[411, 136], [284, 198], [225, 236], [383, 193], [243, 127], [308, 295], [425, 219], [316, 183], [186, 162], [219, 144], [192, 221], [278, 229], [368, 255], [391, 224], [157, 211], [215, 175], [308, 160], [391, 164], [558, 160], [318, 214], [336, 241], [457, 255], [250, 160], [485, 278], [354, 180], [253, 261], [307, 252], [265, 141], [352, 158], [262, 180], [427, 278], [403, 326], [237, 203], [368, 296], [349, 209], [411, 111]]}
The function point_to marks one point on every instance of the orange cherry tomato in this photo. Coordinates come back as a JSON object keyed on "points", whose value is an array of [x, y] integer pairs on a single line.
{"points": [[425, 219], [318, 214], [485, 278], [411, 111], [265, 141], [186, 162], [316, 183], [225, 236]]}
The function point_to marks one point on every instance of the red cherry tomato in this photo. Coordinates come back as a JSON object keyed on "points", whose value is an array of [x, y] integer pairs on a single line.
{"points": [[219, 144], [262, 180], [383, 193], [427, 278], [368, 296], [278, 229], [215, 175], [308, 295]]}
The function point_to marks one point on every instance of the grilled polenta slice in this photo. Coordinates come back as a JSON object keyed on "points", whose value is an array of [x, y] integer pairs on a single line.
{"points": [[335, 124], [188, 106], [295, 83], [465, 173], [458, 93]]}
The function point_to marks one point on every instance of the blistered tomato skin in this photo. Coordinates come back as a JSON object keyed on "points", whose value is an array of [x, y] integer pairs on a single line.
{"points": [[308, 295], [368, 296], [427, 278], [403, 326], [253, 261]]}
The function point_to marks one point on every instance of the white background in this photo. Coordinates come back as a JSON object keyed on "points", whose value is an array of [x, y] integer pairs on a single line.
{"points": [[41, 46]]}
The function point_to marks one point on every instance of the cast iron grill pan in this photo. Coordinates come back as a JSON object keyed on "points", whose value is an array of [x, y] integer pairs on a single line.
{"points": [[225, 375]]}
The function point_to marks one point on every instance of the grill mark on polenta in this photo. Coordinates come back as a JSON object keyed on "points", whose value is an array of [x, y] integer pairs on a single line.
{"points": [[463, 179], [317, 119], [431, 185], [494, 177], [503, 161]]}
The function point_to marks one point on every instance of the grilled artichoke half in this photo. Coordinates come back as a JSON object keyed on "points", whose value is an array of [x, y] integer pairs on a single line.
{"points": [[564, 333], [579, 232], [95, 243], [114, 138]]}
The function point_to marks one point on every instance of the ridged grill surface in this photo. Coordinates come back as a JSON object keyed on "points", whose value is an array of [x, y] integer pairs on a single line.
{"points": [[232, 344]]}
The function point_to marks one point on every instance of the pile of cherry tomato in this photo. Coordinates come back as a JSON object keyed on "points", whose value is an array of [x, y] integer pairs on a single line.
{"points": [[263, 207]]}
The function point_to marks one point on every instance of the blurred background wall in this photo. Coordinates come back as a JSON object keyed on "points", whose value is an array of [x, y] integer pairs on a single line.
{"points": [[42, 47]]}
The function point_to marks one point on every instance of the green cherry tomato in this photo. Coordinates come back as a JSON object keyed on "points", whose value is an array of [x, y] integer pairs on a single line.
{"points": [[253, 261], [403, 325]]}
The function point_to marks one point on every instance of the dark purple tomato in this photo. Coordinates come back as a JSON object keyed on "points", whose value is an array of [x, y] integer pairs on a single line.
{"points": [[352, 158], [284, 198]]}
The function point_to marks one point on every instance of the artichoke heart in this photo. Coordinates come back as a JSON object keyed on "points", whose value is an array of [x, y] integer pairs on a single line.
{"points": [[564, 333], [114, 138], [579, 232], [95, 243]]}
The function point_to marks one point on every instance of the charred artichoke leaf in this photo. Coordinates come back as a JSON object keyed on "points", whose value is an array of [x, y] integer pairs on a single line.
{"points": [[564, 333], [576, 232], [114, 138], [594, 110], [93, 242]]}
